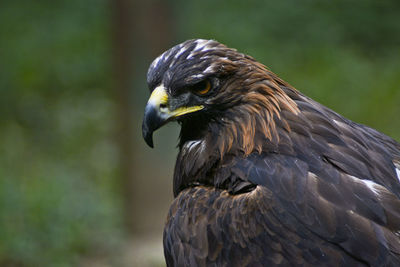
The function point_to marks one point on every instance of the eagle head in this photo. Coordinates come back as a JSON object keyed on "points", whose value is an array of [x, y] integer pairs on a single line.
{"points": [[201, 83]]}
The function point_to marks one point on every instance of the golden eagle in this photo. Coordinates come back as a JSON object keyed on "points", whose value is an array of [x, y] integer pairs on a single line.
{"points": [[265, 175]]}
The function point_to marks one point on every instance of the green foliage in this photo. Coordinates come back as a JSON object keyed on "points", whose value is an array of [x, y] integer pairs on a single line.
{"points": [[57, 162]]}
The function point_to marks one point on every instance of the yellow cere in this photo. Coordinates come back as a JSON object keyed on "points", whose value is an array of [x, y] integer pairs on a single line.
{"points": [[159, 96]]}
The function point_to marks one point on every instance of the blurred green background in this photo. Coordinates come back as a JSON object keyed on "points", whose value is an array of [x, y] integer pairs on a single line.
{"points": [[78, 186]]}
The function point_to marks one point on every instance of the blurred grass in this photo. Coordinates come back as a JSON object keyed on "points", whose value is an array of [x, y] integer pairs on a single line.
{"points": [[58, 194], [60, 203]]}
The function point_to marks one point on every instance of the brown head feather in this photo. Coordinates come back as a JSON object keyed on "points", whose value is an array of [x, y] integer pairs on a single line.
{"points": [[255, 100]]}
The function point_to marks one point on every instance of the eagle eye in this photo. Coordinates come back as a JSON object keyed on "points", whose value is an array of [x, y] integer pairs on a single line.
{"points": [[201, 88]]}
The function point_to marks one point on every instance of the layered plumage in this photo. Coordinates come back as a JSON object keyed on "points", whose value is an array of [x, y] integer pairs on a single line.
{"points": [[265, 175]]}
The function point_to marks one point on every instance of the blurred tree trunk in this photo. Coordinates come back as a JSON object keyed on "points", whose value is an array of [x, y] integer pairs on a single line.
{"points": [[141, 30]]}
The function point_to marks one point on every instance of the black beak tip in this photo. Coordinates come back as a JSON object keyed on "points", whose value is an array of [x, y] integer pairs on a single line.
{"points": [[147, 136], [152, 120], [149, 140]]}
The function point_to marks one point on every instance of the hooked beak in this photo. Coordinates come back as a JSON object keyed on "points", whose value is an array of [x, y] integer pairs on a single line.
{"points": [[157, 113]]}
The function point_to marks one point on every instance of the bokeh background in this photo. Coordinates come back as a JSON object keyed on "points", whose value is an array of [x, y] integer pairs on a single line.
{"points": [[78, 186]]}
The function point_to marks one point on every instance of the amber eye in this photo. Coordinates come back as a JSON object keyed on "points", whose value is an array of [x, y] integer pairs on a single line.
{"points": [[202, 87]]}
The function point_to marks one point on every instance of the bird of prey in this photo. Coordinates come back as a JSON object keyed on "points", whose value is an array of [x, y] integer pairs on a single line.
{"points": [[266, 176]]}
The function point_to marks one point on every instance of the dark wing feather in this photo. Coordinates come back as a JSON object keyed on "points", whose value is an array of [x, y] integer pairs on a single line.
{"points": [[361, 217], [351, 148], [293, 217]]}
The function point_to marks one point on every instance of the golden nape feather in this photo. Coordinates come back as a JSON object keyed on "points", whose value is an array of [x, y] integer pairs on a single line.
{"points": [[266, 176]]}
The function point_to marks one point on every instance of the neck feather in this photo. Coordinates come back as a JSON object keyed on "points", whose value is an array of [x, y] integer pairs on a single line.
{"points": [[243, 129]]}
